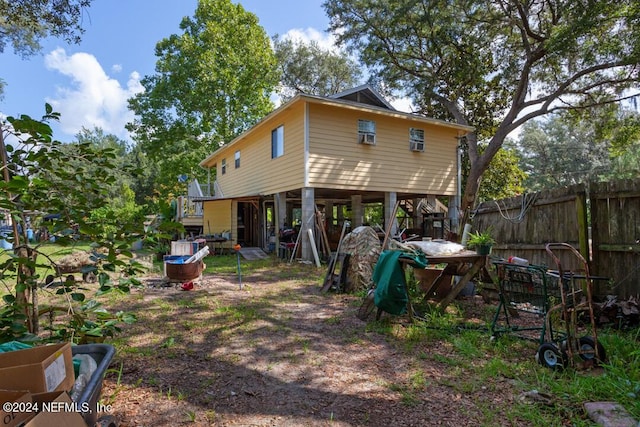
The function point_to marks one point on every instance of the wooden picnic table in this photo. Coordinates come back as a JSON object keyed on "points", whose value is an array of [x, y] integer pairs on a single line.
{"points": [[466, 264]]}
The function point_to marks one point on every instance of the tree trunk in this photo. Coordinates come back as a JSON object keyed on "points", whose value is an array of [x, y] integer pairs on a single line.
{"points": [[479, 163]]}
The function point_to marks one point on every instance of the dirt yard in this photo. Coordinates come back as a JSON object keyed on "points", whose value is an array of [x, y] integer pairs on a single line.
{"points": [[281, 353]]}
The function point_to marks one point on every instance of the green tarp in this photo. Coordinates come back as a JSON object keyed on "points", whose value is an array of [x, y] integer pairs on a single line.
{"points": [[389, 279]]}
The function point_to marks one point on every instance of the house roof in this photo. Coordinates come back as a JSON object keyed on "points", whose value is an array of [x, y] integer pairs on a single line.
{"points": [[350, 99], [364, 94]]}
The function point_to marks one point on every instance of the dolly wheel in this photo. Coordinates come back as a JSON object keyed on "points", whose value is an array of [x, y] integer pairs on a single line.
{"points": [[588, 350], [548, 355]]}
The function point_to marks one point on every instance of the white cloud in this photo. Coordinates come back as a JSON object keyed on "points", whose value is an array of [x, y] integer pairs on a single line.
{"points": [[324, 40], [93, 98], [116, 68], [403, 104]]}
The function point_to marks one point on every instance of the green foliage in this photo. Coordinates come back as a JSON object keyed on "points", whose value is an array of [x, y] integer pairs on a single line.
{"points": [[90, 322], [550, 150], [163, 229], [479, 238], [212, 82], [627, 164], [577, 147], [25, 22], [56, 188], [13, 321], [503, 178], [495, 65], [122, 210], [475, 363], [307, 68]]}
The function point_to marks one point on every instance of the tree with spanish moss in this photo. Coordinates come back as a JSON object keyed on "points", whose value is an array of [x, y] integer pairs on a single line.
{"points": [[495, 64]]}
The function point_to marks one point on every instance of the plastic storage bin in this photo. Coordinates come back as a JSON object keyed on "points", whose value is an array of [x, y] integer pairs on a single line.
{"points": [[102, 354]]}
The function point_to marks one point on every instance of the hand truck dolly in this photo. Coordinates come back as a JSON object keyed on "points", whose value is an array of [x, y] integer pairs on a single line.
{"points": [[547, 307]]}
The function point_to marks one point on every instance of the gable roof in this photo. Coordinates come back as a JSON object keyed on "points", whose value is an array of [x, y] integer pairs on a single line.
{"points": [[364, 94]]}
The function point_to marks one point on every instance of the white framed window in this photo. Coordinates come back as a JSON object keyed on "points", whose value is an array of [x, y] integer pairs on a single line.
{"points": [[366, 132], [416, 139], [277, 142], [237, 159], [223, 166]]}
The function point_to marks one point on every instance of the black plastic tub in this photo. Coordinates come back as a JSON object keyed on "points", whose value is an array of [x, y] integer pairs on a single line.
{"points": [[102, 354]]}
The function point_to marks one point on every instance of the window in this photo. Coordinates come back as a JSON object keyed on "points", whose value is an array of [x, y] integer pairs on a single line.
{"points": [[416, 139], [223, 166], [366, 132], [237, 159], [277, 142]]}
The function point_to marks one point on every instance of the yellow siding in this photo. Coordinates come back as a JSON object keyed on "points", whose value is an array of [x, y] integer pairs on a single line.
{"points": [[217, 216], [258, 173], [336, 160]]}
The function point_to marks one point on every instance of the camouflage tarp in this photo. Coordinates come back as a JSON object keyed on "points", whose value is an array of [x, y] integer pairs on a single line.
{"points": [[363, 246]]}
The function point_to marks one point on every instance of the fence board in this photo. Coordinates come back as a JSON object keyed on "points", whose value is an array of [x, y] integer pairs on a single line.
{"points": [[615, 211], [523, 225], [561, 215]]}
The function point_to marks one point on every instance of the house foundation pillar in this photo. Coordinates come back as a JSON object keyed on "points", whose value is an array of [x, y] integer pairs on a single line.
{"points": [[280, 202], [390, 199], [357, 211], [308, 216]]}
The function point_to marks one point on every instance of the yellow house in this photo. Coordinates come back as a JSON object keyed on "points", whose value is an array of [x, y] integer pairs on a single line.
{"points": [[333, 155]]}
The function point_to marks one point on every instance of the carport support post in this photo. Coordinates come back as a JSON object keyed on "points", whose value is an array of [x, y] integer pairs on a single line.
{"points": [[308, 211], [390, 199], [357, 211], [280, 200]]}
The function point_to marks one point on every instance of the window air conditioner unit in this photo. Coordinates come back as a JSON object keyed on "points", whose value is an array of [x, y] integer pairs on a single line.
{"points": [[417, 146], [367, 138]]}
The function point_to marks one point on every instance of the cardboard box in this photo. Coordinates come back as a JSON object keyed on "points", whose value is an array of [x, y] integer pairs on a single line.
{"points": [[21, 407], [39, 369], [184, 247], [56, 410]]}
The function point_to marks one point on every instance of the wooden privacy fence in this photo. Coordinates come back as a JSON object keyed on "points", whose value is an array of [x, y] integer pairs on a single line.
{"points": [[615, 216], [602, 221]]}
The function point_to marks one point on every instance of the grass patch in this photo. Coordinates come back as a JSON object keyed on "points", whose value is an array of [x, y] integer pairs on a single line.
{"points": [[446, 351], [474, 364], [48, 251]]}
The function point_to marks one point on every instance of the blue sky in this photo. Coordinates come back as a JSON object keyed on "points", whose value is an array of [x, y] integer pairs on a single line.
{"points": [[89, 83]]}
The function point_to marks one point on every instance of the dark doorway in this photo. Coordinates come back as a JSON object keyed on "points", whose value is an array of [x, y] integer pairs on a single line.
{"points": [[248, 224]]}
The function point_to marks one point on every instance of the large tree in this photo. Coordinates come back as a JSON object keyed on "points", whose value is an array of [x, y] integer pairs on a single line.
{"points": [[211, 83], [495, 64], [575, 147], [558, 152], [24, 23], [503, 178], [308, 68]]}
